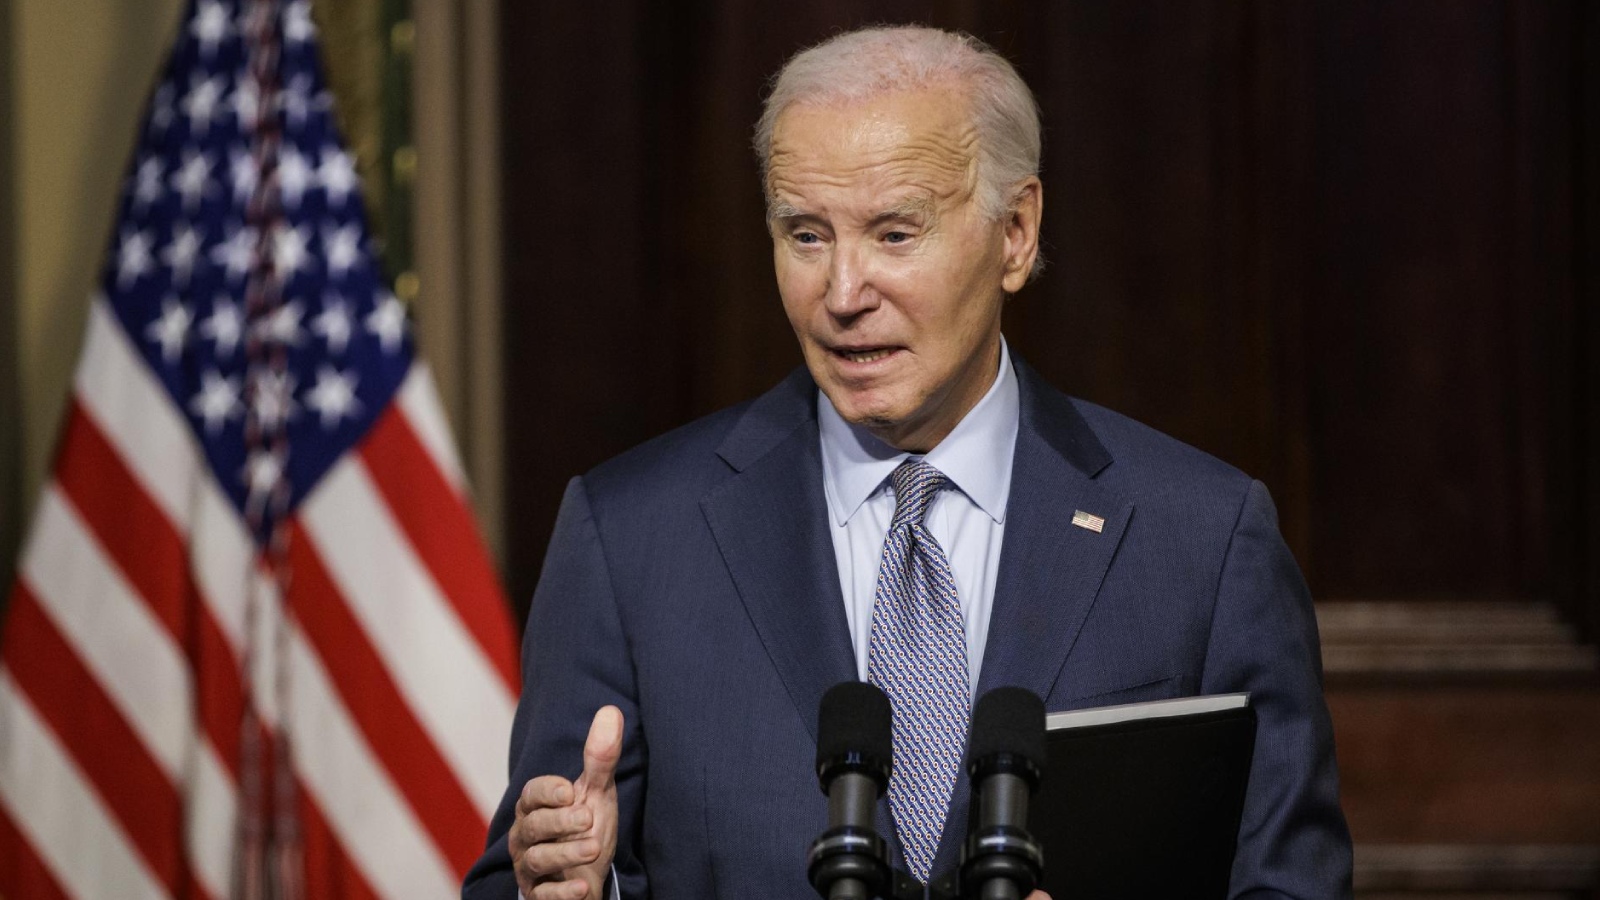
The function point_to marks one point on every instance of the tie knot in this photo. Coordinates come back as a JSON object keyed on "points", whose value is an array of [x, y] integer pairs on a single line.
{"points": [[915, 484]]}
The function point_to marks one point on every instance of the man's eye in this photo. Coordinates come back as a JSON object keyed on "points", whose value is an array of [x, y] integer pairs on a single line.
{"points": [[897, 237], [807, 237]]}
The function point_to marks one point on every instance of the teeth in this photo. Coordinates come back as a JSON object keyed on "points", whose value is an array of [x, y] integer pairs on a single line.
{"points": [[869, 356]]}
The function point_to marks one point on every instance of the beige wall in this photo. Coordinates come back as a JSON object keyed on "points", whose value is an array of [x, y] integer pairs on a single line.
{"points": [[79, 72], [458, 235], [10, 437]]}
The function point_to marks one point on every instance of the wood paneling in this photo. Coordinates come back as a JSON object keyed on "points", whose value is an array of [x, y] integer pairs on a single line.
{"points": [[1406, 642], [1468, 764], [1476, 871]]}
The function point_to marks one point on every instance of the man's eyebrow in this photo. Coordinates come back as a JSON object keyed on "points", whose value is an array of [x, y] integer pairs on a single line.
{"points": [[910, 208], [780, 211]]}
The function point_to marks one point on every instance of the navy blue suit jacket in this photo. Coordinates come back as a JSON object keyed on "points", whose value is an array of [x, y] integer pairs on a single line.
{"points": [[691, 582]]}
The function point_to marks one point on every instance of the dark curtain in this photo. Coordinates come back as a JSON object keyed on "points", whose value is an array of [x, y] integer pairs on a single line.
{"points": [[1342, 245]]}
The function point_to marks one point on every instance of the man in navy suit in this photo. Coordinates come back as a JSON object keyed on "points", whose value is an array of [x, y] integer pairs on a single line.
{"points": [[703, 590]]}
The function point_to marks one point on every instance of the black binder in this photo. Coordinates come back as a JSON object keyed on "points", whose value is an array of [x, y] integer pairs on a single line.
{"points": [[1143, 801]]}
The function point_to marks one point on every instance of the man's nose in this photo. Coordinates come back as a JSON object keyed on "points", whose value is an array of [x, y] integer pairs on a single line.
{"points": [[850, 283]]}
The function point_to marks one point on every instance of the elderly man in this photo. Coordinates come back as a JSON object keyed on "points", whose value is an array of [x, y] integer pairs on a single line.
{"points": [[914, 508]]}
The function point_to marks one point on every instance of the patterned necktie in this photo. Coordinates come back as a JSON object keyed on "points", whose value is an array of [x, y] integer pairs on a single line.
{"points": [[918, 656]]}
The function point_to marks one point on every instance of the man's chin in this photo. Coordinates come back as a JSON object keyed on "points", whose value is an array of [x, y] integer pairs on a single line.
{"points": [[881, 424], [879, 408], [860, 411]]}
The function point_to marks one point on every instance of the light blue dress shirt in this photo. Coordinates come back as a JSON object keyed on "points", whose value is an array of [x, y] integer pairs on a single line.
{"points": [[969, 522]]}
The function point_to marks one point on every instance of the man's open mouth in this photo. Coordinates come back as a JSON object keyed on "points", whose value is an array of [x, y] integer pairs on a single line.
{"points": [[866, 355]]}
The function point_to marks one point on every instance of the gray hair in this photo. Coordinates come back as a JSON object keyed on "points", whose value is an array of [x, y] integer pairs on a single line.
{"points": [[860, 64]]}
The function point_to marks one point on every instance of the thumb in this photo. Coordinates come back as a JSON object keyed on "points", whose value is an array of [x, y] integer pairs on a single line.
{"points": [[603, 748]]}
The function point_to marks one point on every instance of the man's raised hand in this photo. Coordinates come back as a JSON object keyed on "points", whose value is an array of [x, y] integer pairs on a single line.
{"points": [[565, 833]]}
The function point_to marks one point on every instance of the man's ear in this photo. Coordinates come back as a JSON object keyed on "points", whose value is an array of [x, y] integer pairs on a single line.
{"points": [[1022, 234]]}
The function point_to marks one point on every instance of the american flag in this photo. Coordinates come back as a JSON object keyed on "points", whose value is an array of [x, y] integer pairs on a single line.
{"points": [[255, 646]]}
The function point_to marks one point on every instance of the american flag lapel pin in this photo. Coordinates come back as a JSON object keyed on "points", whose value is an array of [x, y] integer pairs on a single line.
{"points": [[1090, 521]]}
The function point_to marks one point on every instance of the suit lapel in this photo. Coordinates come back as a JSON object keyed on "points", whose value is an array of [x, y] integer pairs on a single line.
{"points": [[1050, 568], [770, 522]]}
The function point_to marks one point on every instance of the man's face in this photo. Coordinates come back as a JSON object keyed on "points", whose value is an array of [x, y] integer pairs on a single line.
{"points": [[891, 276]]}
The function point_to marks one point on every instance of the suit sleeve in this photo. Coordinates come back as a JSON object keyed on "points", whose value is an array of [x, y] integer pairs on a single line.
{"points": [[1293, 841], [575, 659]]}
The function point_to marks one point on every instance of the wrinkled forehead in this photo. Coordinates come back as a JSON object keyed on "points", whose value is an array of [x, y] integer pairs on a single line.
{"points": [[924, 136]]}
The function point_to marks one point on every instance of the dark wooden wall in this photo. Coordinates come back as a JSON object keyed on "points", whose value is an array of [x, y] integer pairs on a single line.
{"points": [[1349, 247]]}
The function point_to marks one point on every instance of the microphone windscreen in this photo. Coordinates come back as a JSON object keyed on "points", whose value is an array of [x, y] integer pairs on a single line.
{"points": [[855, 718], [1008, 720]]}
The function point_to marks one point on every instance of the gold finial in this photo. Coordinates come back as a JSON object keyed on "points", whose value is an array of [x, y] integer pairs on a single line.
{"points": [[402, 36], [405, 164], [407, 286]]}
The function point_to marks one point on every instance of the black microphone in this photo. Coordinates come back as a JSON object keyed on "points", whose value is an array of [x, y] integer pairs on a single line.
{"points": [[854, 757], [1000, 860]]}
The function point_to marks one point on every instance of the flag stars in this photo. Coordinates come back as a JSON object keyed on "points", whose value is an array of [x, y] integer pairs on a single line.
{"points": [[337, 174], [193, 179], [282, 325], [149, 182], [243, 174], [133, 257], [333, 324], [210, 27], [298, 103], [290, 251], [272, 400], [237, 253], [388, 322], [297, 24], [295, 177], [334, 396], [224, 327], [180, 254], [218, 400], [201, 103], [161, 111], [245, 101], [342, 247], [171, 329], [263, 472]]}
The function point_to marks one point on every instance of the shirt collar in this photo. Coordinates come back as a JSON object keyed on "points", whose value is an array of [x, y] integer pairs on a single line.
{"points": [[976, 455]]}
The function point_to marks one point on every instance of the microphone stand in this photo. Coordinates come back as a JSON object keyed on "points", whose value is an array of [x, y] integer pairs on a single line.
{"points": [[847, 863], [999, 859], [908, 888]]}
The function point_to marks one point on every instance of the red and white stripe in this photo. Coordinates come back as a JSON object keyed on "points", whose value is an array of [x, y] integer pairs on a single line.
{"points": [[121, 691]]}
